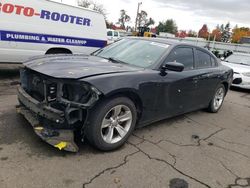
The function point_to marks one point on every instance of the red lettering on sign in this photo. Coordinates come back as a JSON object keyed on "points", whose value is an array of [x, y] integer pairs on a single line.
{"points": [[8, 8], [19, 9], [28, 11]]}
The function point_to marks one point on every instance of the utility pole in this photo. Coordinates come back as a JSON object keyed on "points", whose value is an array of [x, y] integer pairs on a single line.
{"points": [[138, 8]]}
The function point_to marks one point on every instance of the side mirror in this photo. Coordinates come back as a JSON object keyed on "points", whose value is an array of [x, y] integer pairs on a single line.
{"points": [[173, 66]]}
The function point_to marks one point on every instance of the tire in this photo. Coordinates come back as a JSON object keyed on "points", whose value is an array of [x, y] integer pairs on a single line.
{"points": [[218, 99], [111, 122]]}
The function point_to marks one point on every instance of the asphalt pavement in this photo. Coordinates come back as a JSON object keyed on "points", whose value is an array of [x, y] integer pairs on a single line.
{"points": [[195, 150]]}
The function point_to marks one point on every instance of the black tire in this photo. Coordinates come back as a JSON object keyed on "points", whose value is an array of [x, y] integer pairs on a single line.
{"points": [[94, 129], [212, 107]]}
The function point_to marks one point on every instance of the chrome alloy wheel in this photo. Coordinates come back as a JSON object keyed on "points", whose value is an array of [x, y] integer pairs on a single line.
{"points": [[218, 98], [116, 124]]}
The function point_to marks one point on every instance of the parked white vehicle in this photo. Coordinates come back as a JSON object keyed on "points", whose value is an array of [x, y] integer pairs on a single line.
{"points": [[112, 36], [38, 27], [240, 63]]}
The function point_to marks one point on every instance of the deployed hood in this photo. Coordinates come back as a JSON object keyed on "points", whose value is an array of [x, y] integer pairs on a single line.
{"points": [[76, 66], [237, 67]]}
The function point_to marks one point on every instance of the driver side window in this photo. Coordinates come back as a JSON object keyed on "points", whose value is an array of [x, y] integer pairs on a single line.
{"points": [[184, 55]]}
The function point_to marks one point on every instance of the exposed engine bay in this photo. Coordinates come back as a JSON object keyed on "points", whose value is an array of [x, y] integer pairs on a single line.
{"points": [[52, 105]]}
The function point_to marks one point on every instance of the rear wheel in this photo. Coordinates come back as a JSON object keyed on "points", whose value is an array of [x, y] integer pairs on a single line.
{"points": [[218, 99], [111, 123]]}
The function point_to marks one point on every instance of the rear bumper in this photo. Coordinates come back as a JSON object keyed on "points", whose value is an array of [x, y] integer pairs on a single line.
{"points": [[31, 109]]}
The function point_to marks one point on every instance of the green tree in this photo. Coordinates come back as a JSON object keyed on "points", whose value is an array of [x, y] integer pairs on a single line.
{"points": [[124, 18], [149, 22], [142, 18], [222, 27], [226, 34], [168, 26]]}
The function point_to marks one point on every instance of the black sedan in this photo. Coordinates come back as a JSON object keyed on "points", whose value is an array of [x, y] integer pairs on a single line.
{"points": [[131, 83]]}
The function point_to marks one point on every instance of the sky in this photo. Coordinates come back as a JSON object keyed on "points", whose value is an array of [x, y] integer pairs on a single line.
{"points": [[188, 14]]}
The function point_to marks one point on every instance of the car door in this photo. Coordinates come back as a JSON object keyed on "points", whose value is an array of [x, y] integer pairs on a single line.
{"points": [[179, 88], [208, 79]]}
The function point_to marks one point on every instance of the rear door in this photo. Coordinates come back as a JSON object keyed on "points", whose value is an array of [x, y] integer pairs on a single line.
{"points": [[208, 79], [180, 87]]}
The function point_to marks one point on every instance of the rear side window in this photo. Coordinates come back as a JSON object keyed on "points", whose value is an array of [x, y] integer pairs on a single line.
{"points": [[116, 34], [182, 55], [204, 59], [110, 33]]}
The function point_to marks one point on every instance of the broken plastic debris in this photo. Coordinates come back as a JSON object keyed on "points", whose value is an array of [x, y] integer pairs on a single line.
{"points": [[61, 145], [38, 128], [18, 110]]}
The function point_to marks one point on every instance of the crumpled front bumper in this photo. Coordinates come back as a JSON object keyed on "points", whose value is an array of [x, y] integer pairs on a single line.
{"points": [[31, 109]]}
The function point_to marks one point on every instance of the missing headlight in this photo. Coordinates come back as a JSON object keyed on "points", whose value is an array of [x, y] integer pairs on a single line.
{"points": [[76, 93]]}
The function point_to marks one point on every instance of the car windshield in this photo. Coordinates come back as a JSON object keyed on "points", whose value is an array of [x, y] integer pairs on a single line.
{"points": [[141, 53], [239, 59]]}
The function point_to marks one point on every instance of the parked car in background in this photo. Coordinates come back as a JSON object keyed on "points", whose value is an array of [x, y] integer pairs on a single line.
{"points": [[222, 54], [131, 83], [113, 36], [240, 63], [31, 28]]}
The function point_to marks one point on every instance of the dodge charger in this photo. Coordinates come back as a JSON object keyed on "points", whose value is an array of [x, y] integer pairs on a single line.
{"points": [[104, 96]]}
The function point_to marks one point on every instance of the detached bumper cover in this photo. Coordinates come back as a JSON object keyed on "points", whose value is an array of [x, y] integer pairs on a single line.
{"points": [[30, 109]]}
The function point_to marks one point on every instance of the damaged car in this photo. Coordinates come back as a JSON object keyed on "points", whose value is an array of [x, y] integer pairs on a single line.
{"points": [[104, 96]]}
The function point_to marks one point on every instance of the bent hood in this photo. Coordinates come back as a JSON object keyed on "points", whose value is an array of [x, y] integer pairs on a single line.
{"points": [[76, 66]]}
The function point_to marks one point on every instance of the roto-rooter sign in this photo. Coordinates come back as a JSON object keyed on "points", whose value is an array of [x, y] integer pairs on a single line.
{"points": [[9, 8]]}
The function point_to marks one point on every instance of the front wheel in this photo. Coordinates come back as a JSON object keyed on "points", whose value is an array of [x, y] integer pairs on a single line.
{"points": [[218, 99], [111, 123]]}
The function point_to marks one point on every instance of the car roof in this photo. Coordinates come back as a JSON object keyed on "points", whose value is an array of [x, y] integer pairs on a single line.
{"points": [[171, 42], [161, 40]]}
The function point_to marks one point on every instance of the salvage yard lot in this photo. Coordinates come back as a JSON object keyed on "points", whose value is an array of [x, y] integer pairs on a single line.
{"points": [[198, 149]]}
